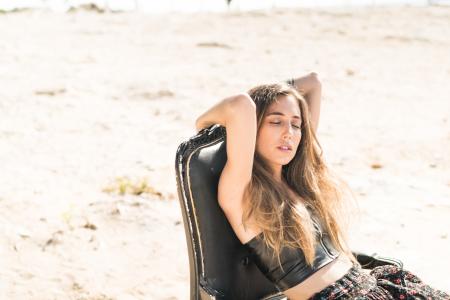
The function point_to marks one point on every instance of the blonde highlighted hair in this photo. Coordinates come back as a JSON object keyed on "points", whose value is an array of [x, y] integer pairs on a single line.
{"points": [[280, 208]]}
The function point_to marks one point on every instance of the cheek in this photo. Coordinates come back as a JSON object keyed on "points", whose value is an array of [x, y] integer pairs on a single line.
{"points": [[297, 140], [264, 139]]}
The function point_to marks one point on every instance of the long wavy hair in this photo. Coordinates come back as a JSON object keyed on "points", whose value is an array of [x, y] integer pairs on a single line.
{"points": [[282, 215]]}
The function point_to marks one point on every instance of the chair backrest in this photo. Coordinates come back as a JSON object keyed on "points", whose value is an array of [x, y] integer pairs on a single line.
{"points": [[220, 266]]}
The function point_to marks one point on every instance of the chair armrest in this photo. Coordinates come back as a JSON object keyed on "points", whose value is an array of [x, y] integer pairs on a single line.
{"points": [[374, 260]]}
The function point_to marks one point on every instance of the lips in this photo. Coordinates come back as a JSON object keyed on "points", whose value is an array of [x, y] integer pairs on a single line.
{"points": [[285, 148]]}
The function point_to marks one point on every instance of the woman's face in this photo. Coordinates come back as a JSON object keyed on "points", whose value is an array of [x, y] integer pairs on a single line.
{"points": [[280, 132]]}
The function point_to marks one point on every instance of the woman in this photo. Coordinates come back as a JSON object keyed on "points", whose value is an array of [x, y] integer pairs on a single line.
{"points": [[283, 203]]}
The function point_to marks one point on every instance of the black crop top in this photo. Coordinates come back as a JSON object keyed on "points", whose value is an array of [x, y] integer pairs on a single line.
{"points": [[294, 267]]}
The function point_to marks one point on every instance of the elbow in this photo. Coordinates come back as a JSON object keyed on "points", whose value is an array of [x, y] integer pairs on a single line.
{"points": [[315, 81], [241, 103], [198, 124]]}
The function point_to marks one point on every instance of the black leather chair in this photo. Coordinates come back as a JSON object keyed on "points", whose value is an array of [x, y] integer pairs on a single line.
{"points": [[220, 266]]}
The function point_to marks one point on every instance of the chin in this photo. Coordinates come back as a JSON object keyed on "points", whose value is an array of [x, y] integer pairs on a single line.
{"points": [[280, 161], [284, 162]]}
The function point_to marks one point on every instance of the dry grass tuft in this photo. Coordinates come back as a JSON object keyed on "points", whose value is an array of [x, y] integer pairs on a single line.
{"points": [[127, 186]]}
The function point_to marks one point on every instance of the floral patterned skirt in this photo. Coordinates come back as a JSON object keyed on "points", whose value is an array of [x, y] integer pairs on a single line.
{"points": [[383, 282]]}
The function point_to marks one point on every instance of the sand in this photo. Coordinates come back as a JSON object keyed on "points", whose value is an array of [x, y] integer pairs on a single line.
{"points": [[93, 107]]}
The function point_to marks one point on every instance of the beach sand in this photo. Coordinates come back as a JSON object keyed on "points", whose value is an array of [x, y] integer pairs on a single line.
{"points": [[93, 107]]}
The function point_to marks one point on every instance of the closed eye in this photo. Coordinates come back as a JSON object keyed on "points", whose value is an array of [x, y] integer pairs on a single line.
{"points": [[277, 123]]}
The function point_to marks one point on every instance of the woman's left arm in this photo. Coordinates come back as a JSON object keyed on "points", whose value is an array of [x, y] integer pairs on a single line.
{"points": [[311, 88]]}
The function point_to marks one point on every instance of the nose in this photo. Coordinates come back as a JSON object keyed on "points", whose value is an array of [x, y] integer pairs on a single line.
{"points": [[288, 132]]}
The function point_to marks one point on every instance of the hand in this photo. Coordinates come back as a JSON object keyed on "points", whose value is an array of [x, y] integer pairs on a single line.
{"points": [[307, 84]]}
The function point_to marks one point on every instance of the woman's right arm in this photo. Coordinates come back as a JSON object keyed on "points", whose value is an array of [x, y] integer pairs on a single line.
{"points": [[238, 115], [217, 114]]}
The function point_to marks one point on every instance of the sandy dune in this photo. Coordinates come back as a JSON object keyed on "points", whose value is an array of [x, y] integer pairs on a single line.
{"points": [[93, 107]]}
